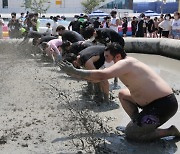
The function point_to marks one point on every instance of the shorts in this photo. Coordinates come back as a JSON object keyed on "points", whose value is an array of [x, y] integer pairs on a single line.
{"points": [[158, 112], [165, 33], [175, 33]]}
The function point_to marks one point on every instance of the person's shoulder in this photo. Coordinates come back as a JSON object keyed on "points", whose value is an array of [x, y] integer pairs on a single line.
{"points": [[129, 60]]}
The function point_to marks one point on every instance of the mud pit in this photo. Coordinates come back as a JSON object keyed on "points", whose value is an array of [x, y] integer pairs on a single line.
{"points": [[35, 115]]}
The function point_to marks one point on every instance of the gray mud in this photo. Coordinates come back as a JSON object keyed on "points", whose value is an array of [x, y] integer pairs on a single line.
{"points": [[34, 112]]}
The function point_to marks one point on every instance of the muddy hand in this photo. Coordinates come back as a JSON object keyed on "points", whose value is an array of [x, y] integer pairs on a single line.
{"points": [[67, 67]]}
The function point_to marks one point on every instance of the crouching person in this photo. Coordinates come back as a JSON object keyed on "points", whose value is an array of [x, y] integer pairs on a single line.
{"points": [[145, 89], [53, 49]]}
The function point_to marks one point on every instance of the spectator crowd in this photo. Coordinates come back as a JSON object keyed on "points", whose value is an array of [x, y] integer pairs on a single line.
{"points": [[141, 26]]}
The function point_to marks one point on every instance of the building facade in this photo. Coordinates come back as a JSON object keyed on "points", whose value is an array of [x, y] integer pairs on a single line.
{"points": [[62, 6], [158, 7]]}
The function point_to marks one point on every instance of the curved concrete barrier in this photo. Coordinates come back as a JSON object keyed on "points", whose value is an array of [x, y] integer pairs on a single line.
{"points": [[159, 46]]}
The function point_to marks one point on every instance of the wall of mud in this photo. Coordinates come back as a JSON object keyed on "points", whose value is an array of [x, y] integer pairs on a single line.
{"points": [[159, 46]]}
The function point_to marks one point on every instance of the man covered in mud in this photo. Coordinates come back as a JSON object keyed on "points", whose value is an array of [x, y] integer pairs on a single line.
{"points": [[145, 90]]}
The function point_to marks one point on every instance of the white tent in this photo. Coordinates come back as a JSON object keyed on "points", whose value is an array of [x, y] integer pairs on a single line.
{"points": [[98, 13], [151, 13]]}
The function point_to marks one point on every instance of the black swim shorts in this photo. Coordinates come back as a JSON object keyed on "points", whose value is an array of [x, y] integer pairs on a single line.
{"points": [[159, 111]]}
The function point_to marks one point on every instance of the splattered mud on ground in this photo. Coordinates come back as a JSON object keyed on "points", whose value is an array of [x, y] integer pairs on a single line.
{"points": [[40, 106]]}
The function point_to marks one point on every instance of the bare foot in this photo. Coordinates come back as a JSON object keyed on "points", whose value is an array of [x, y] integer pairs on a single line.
{"points": [[175, 132]]}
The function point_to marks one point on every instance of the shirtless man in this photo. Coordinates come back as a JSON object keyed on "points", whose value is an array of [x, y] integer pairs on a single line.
{"points": [[145, 90]]}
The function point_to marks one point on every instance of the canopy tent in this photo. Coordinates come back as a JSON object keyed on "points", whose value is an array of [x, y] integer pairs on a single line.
{"points": [[98, 13], [151, 13]]}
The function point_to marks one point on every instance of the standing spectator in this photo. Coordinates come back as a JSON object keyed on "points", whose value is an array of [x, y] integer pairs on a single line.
{"points": [[156, 27], [14, 26], [106, 22], [160, 29], [115, 22], [140, 28], [63, 18], [58, 17], [21, 19], [75, 24], [97, 23], [1, 29], [35, 22], [145, 26], [85, 23], [124, 26], [166, 26], [49, 30], [134, 26], [150, 26], [55, 25], [176, 26]]}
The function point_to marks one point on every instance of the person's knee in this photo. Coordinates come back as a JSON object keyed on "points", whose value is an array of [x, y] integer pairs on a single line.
{"points": [[132, 132]]}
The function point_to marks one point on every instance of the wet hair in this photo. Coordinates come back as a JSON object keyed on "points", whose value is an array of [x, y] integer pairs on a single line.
{"points": [[70, 57], [116, 48], [88, 32], [60, 27], [44, 45], [65, 44]]}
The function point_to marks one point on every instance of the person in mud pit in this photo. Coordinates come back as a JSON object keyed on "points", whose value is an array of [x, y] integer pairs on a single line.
{"points": [[75, 47], [53, 49], [103, 35], [69, 35], [92, 58], [145, 90]]}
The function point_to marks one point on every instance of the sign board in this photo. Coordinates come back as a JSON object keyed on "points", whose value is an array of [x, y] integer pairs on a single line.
{"points": [[58, 2]]}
